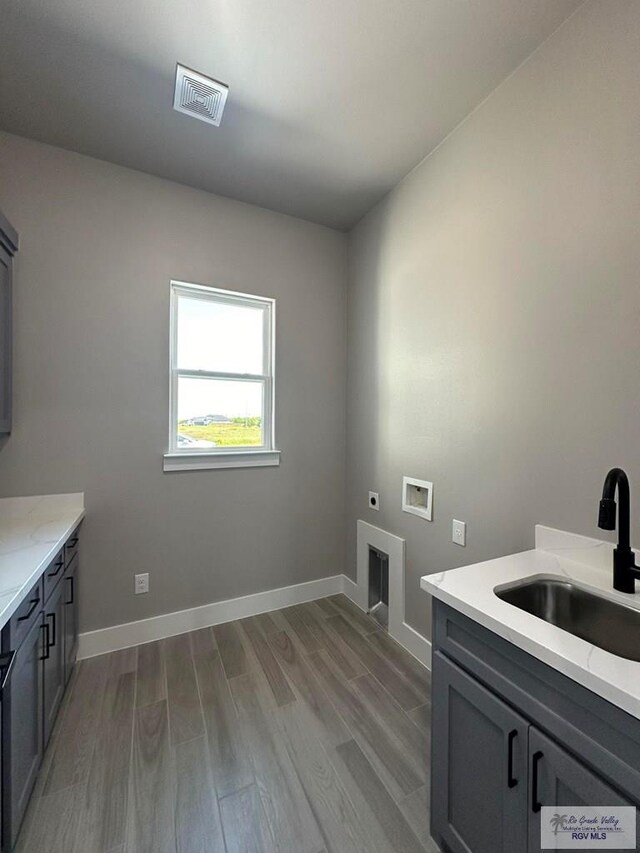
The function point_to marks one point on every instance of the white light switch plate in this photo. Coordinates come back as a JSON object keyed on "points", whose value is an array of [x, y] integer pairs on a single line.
{"points": [[459, 532]]}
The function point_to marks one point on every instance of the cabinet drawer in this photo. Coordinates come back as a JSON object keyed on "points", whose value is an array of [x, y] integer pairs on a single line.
{"points": [[71, 546], [25, 616], [53, 574]]}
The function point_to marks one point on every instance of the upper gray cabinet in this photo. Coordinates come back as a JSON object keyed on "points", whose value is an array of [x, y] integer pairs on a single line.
{"points": [[8, 248]]}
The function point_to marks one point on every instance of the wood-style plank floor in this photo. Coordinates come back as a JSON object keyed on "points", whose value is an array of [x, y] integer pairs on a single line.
{"points": [[304, 730]]}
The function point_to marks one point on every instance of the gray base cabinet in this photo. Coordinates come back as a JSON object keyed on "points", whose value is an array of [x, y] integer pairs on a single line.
{"points": [[558, 779], [511, 735], [44, 635], [481, 750], [22, 717]]}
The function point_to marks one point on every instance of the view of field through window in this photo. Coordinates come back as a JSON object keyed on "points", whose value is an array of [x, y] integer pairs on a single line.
{"points": [[218, 410], [224, 412], [238, 433]]}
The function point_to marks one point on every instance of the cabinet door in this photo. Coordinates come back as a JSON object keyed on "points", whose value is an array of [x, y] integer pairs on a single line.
{"points": [[70, 593], [22, 731], [559, 779], [53, 676], [479, 766]]}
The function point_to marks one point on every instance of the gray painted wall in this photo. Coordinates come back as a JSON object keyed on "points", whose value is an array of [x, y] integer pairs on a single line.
{"points": [[98, 246], [494, 310]]}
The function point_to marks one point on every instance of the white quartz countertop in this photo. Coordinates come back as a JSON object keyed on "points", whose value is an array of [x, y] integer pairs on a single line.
{"points": [[588, 563], [32, 530]]}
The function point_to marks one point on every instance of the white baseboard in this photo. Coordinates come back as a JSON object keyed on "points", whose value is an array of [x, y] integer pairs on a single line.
{"points": [[350, 589], [415, 643], [408, 637], [169, 624]]}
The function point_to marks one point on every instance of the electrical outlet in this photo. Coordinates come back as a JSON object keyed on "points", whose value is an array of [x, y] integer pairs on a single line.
{"points": [[374, 500], [141, 583], [459, 532]]}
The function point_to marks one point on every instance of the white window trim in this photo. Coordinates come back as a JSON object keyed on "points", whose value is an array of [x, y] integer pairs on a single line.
{"points": [[223, 457]]}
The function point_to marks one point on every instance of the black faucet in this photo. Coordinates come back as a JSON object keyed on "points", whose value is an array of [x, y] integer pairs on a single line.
{"points": [[625, 570]]}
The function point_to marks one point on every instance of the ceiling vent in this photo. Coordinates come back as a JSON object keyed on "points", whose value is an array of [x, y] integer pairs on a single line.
{"points": [[199, 96]]}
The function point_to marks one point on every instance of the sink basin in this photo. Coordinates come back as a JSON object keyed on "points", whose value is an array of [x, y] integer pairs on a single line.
{"points": [[612, 626]]}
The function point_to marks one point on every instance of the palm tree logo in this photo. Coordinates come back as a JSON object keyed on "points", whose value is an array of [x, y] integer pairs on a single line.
{"points": [[557, 822]]}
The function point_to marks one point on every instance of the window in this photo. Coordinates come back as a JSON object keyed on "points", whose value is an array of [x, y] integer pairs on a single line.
{"points": [[222, 389]]}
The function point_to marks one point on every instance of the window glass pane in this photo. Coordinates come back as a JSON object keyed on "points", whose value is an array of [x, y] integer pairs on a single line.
{"points": [[219, 337], [219, 413]]}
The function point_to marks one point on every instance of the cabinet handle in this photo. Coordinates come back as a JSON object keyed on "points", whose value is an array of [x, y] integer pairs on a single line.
{"points": [[512, 781], [6, 665], [52, 616], [535, 805], [45, 654], [73, 542], [72, 591], [58, 567], [34, 603]]}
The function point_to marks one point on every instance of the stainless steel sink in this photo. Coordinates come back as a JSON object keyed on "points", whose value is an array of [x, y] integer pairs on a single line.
{"points": [[612, 626]]}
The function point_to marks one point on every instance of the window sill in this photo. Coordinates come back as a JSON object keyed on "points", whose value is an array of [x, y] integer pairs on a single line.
{"points": [[204, 461]]}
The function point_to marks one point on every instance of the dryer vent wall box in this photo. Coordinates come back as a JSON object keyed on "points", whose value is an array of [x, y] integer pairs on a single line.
{"points": [[417, 497]]}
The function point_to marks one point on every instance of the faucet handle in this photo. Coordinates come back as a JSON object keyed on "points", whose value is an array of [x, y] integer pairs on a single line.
{"points": [[607, 514]]}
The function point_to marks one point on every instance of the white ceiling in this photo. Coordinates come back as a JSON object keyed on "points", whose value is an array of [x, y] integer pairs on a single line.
{"points": [[331, 101]]}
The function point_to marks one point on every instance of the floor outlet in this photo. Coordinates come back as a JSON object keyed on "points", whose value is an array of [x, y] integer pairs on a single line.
{"points": [[141, 583]]}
